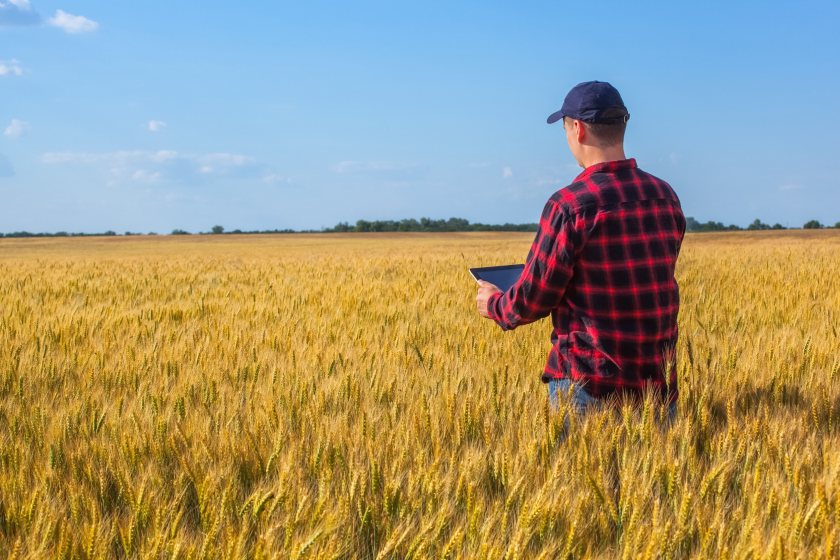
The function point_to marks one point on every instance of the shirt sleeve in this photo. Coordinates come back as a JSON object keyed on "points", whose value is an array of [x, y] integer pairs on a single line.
{"points": [[548, 268]]}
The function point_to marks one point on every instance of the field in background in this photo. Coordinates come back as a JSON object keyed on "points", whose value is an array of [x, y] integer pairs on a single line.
{"points": [[333, 396]]}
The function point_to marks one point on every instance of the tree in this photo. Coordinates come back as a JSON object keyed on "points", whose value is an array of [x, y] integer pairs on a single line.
{"points": [[837, 225], [179, 232], [812, 224], [693, 225], [758, 224], [217, 229], [457, 224]]}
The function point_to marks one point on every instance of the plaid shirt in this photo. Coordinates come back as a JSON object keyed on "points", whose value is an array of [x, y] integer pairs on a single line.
{"points": [[602, 264]]}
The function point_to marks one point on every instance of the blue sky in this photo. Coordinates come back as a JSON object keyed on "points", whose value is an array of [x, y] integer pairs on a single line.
{"points": [[160, 115]]}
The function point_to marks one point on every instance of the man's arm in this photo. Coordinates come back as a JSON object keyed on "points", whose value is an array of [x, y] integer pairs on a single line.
{"points": [[548, 268]]}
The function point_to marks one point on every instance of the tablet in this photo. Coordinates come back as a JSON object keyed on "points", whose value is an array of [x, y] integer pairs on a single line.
{"points": [[503, 276]]}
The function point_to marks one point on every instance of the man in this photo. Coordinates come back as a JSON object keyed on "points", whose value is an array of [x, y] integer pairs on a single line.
{"points": [[602, 264]]}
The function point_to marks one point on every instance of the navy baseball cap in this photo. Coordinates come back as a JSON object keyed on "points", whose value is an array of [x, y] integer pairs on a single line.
{"points": [[592, 102]]}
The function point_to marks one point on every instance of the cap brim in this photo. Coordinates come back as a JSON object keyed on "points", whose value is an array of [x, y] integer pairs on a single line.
{"points": [[554, 117]]}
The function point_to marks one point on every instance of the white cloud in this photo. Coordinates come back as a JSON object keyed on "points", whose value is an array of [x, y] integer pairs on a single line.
{"points": [[114, 158], [16, 129], [507, 172], [225, 159], [161, 156], [18, 12], [156, 126], [162, 165], [275, 179], [10, 68], [53, 158], [791, 187], [71, 23], [145, 176]]}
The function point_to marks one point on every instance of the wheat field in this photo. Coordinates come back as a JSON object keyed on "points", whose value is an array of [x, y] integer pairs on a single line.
{"points": [[337, 396]]}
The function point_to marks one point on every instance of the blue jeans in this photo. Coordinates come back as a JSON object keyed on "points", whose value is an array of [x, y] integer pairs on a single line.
{"points": [[581, 400]]}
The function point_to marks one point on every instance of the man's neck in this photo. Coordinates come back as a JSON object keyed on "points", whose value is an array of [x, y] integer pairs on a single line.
{"points": [[596, 156]]}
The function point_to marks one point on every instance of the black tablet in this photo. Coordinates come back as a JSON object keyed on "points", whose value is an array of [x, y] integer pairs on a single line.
{"points": [[503, 276]]}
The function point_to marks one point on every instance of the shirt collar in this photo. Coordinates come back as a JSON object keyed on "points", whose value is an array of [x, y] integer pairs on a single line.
{"points": [[607, 167]]}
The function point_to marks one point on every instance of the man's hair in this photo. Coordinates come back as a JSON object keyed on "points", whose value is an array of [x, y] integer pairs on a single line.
{"points": [[608, 134]]}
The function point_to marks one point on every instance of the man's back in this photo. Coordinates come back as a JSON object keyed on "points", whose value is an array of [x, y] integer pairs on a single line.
{"points": [[620, 308], [603, 265]]}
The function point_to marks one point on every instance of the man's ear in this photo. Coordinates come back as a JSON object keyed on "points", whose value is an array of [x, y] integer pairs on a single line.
{"points": [[580, 131]]}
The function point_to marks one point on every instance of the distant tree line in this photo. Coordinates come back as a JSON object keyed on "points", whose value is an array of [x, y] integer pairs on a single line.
{"points": [[695, 226], [220, 230], [421, 225], [61, 234], [427, 224], [131, 233]]}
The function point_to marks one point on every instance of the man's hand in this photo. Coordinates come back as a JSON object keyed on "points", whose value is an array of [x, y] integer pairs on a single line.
{"points": [[485, 290]]}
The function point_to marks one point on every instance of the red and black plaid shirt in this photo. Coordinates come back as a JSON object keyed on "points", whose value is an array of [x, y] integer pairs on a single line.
{"points": [[602, 264]]}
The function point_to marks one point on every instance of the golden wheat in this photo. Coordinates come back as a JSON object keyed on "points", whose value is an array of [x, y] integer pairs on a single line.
{"points": [[333, 396]]}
